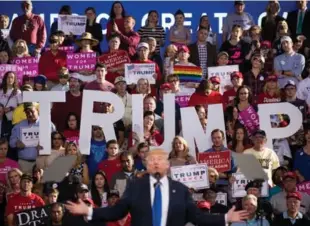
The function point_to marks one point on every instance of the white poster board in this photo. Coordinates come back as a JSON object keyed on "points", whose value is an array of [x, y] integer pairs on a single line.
{"points": [[71, 24], [30, 136], [221, 198], [133, 72], [193, 176], [238, 187], [224, 73]]}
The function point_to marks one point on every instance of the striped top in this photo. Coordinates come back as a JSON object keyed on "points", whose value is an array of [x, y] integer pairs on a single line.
{"points": [[158, 33]]}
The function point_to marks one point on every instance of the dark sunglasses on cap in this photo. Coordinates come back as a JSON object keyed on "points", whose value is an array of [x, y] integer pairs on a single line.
{"points": [[64, 76]]}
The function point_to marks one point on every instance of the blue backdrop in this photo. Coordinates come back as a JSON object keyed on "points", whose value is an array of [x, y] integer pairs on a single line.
{"points": [[216, 10]]}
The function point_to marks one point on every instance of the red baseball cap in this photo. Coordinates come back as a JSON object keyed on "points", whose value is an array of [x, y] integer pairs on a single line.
{"points": [[215, 79], [166, 86], [183, 48], [272, 78], [266, 44], [295, 195], [236, 74], [290, 175]]}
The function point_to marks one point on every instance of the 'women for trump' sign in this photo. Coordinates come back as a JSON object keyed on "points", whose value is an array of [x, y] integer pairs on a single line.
{"points": [[249, 118], [81, 61], [29, 65]]}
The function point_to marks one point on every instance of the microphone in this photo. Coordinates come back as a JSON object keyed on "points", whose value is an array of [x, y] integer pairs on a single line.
{"points": [[157, 177]]}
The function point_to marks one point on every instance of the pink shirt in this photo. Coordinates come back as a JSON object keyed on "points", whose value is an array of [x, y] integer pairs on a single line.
{"points": [[5, 167]]}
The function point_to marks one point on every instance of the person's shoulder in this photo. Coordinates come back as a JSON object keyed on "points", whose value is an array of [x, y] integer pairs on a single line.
{"points": [[248, 151]]}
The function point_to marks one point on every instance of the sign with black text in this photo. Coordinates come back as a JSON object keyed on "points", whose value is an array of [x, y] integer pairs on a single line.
{"points": [[33, 217]]}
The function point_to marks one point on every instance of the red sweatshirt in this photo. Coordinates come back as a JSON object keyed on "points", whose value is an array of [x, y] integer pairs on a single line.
{"points": [[200, 98]]}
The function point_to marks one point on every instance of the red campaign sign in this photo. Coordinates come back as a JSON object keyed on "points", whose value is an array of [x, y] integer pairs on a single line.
{"points": [[304, 187], [221, 160], [30, 65], [114, 59]]}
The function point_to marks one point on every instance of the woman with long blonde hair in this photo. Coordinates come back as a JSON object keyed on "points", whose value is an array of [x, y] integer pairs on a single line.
{"points": [[179, 155], [13, 182], [271, 91], [282, 30], [79, 168], [20, 49], [143, 87]]}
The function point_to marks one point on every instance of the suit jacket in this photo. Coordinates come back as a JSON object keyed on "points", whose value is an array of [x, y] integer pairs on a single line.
{"points": [[194, 54], [292, 19], [137, 201]]}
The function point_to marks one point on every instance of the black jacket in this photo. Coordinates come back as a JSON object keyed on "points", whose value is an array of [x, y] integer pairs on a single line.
{"points": [[279, 220]]}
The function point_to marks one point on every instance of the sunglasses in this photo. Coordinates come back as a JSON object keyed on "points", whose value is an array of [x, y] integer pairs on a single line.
{"points": [[64, 76]]}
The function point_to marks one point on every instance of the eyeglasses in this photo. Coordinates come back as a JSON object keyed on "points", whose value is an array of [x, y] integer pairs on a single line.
{"points": [[172, 81]]}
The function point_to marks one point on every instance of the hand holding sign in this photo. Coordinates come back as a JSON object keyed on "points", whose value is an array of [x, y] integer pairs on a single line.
{"points": [[20, 145]]}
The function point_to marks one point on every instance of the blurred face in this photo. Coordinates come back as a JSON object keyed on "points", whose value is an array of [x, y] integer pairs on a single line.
{"points": [[121, 87], [152, 45], [222, 60], [272, 84], [97, 132], [85, 43], [63, 80], [174, 82], [157, 162], [153, 18], [297, 45], [26, 185], [202, 35], [4, 57], [239, 8], [239, 135], [204, 22], [127, 163], [14, 178], [217, 139], [236, 33], [52, 198], [72, 122], [83, 195], [278, 177], [143, 53], [4, 23], [204, 123], [201, 113], [113, 150], [143, 152], [237, 82], [90, 14], [27, 7], [117, 8], [307, 136], [235, 113], [72, 150], [171, 52], [179, 19], [290, 91], [38, 86], [302, 4], [143, 86], [253, 191], [289, 184], [99, 181], [37, 174], [212, 177], [178, 146], [148, 121], [61, 39], [21, 48], [256, 62], [210, 196], [113, 200], [244, 94], [249, 207], [32, 114], [57, 141], [74, 85], [129, 23], [149, 104], [183, 56], [273, 7], [259, 141], [3, 150], [10, 79], [287, 46], [57, 214], [293, 205], [100, 73], [114, 43]]}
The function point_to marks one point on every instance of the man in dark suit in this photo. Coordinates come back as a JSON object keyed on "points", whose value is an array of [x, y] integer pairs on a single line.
{"points": [[298, 20], [202, 53], [156, 200]]}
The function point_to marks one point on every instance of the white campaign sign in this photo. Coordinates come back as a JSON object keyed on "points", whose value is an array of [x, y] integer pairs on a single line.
{"points": [[133, 72], [71, 24], [30, 136], [193, 176], [238, 187], [221, 198], [224, 73]]}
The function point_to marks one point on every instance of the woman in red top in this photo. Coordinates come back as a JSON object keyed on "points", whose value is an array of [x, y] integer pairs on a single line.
{"points": [[13, 182], [151, 135], [204, 95], [72, 131], [271, 92], [117, 15]]}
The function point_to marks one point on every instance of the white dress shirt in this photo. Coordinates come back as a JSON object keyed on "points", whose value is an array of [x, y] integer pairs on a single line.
{"points": [[164, 188]]}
